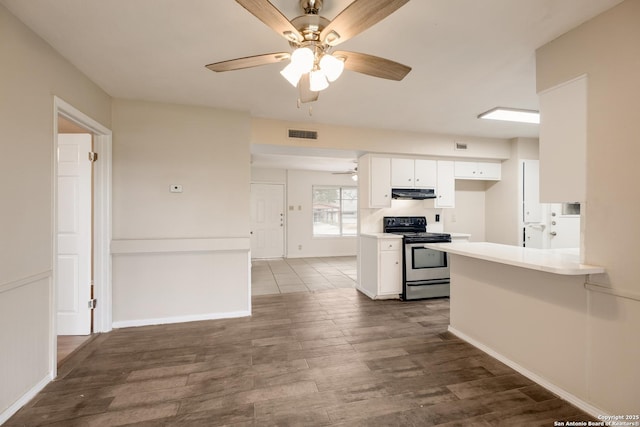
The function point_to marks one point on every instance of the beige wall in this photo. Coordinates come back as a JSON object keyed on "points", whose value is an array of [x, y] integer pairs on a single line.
{"points": [[274, 132], [607, 50], [468, 216], [30, 75], [504, 212], [298, 186], [186, 252], [300, 222]]}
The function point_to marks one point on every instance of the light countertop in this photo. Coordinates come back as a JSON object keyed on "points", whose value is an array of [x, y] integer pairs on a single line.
{"points": [[558, 261], [381, 235]]}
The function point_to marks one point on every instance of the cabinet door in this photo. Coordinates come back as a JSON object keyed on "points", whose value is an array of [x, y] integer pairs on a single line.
{"points": [[390, 272], [492, 171], [446, 189], [380, 183], [465, 170], [402, 173], [425, 173]]}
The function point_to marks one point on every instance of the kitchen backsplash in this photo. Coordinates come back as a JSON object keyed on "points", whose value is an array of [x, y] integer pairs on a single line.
{"points": [[372, 221]]}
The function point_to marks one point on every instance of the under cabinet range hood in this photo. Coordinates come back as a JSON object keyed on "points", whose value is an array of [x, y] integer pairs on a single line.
{"points": [[413, 193]]}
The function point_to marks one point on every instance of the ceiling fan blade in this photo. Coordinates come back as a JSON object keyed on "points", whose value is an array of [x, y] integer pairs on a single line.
{"points": [[248, 62], [357, 17], [306, 94], [373, 65], [272, 17]]}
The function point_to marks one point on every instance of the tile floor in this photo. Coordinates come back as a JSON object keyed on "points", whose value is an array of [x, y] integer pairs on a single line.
{"points": [[286, 275]]}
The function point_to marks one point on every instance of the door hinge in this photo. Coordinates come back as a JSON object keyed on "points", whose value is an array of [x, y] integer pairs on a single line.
{"points": [[93, 156], [93, 303]]}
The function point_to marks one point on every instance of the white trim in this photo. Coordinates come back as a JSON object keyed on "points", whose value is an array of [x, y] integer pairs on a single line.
{"points": [[148, 246], [249, 290], [102, 218], [4, 287], [562, 393], [25, 398], [180, 319]]}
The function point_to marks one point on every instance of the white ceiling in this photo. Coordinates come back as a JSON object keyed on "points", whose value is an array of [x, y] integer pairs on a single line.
{"points": [[468, 56]]}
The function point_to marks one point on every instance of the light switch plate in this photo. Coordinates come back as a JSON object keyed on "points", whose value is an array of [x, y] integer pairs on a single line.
{"points": [[175, 188]]}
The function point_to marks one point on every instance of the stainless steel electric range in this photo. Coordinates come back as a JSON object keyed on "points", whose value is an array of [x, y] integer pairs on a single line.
{"points": [[426, 271]]}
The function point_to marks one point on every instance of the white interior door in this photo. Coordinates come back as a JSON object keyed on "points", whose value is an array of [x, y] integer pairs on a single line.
{"points": [[267, 220], [73, 269]]}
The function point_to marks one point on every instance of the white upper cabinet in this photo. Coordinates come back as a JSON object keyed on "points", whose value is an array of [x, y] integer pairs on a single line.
{"points": [[410, 173], [402, 173], [478, 170], [374, 182], [380, 189], [425, 173], [446, 189], [563, 142]]}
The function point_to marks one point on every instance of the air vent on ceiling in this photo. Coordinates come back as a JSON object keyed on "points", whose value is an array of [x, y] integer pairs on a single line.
{"points": [[303, 134], [461, 146]]}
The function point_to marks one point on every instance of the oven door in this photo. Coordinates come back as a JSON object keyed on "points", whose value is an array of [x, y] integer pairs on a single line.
{"points": [[425, 265]]}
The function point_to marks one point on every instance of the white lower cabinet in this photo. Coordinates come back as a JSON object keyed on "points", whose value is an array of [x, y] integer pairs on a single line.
{"points": [[381, 267]]}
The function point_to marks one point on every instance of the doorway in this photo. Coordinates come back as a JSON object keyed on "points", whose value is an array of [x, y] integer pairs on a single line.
{"points": [[267, 221], [82, 226]]}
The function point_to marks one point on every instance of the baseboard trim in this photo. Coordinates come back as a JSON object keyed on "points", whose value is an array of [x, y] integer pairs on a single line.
{"points": [[25, 398], [562, 393], [179, 319]]}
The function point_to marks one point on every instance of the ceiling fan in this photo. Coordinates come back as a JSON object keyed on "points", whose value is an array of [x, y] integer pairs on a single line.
{"points": [[353, 172], [313, 64]]}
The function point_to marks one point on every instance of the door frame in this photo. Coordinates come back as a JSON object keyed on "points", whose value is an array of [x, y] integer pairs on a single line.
{"points": [[102, 144]]}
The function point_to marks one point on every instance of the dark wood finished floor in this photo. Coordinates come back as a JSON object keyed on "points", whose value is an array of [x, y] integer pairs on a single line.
{"points": [[307, 359]]}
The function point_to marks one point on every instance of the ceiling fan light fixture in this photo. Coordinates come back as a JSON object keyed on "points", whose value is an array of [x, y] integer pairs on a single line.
{"points": [[303, 59], [292, 74], [317, 81], [331, 66]]}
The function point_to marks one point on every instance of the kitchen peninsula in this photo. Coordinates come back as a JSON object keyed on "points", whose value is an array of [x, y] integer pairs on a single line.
{"points": [[526, 307]]}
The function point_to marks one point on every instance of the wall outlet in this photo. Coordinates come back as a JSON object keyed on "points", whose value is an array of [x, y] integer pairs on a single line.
{"points": [[175, 188], [453, 218], [299, 247]]}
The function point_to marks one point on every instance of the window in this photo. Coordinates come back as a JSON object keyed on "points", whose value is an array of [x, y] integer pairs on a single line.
{"points": [[335, 211]]}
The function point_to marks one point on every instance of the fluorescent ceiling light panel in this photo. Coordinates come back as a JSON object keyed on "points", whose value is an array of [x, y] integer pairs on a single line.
{"points": [[511, 115]]}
